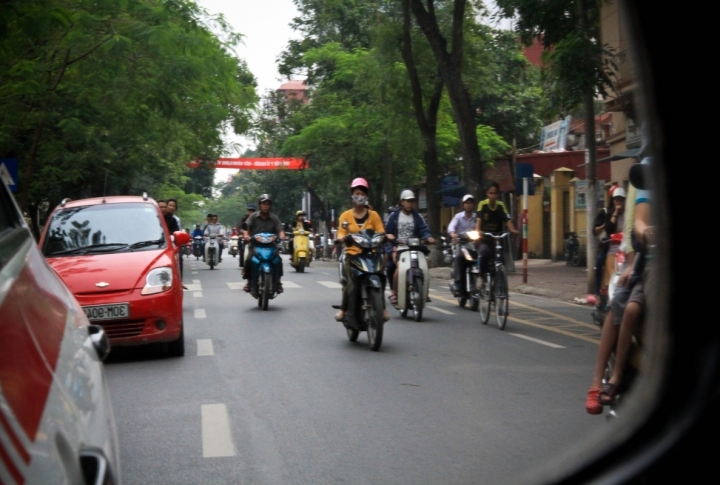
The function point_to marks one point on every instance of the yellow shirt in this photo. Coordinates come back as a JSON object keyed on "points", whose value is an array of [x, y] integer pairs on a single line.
{"points": [[373, 222]]}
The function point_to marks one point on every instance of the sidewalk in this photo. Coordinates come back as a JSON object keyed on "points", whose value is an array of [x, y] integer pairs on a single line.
{"points": [[545, 278]]}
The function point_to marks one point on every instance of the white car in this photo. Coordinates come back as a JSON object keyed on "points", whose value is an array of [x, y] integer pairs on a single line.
{"points": [[56, 421]]}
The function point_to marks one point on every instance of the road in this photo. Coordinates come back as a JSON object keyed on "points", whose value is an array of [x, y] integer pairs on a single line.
{"points": [[282, 397]]}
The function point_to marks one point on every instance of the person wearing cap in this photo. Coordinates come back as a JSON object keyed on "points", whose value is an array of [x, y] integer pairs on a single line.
{"points": [[352, 221], [405, 222], [463, 221], [608, 221], [259, 222]]}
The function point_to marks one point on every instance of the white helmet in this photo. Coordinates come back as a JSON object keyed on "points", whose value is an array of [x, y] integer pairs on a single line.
{"points": [[619, 192], [468, 197], [407, 195]]}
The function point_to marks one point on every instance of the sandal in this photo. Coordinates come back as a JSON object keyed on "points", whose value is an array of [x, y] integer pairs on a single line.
{"points": [[278, 288], [386, 315], [246, 288], [606, 396], [592, 405], [340, 316], [393, 298]]}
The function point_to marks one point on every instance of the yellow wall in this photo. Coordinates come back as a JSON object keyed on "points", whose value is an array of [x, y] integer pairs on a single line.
{"points": [[535, 219], [559, 184]]}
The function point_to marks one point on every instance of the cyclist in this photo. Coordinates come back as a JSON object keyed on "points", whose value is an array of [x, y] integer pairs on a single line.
{"points": [[357, 219], [491, 217], [405, 222]]}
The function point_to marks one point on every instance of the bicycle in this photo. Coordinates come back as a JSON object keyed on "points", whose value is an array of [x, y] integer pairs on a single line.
{"points": [[495, 290]]}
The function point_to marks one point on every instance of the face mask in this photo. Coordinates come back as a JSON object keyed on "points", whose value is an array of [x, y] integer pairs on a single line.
{"points": [[359, 199]]}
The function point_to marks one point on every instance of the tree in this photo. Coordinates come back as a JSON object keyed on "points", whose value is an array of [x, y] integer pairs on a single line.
{"points": [[575, 71]]}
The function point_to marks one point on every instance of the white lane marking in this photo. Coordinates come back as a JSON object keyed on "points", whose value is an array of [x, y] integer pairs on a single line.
{"points": [[446, 287], [200, 313], [439, 310], [197, 294], [432, 289], [193, 287], [327, 274], [537, 341], [241, 285], [194, 272], [330, 284], [196, 282], [205, 347], [216, 439]]}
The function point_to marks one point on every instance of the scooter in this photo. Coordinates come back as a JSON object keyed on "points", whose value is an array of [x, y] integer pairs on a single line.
{"points": [[264, 268], [197, 247], [233, 247], [472, 272], [365, 303], [413, 277], [212, 250], [572, 249], [301, 252], [187, 250]]}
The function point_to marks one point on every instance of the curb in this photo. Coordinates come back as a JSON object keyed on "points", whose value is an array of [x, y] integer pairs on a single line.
{"points": [[534, 290]]}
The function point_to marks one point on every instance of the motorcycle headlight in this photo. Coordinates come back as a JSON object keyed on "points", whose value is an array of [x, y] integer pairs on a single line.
{"points": [[158, 280], [413, 241], [473, 235], [377, 240], [360, 241]]}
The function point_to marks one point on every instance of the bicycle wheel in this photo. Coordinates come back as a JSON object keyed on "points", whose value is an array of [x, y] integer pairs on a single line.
{"points": [[485, 299], [501, 297]]}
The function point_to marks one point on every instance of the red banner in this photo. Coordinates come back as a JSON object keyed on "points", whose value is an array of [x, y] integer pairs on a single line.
{"points": [[258, 163]]}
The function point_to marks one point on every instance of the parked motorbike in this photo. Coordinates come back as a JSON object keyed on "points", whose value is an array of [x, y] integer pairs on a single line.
{"points": [[197, 247], [264, 268], [365, 303], [212, 250], [413, 277], [233, 246], [469, 291], [300, 257], [572, 249]]}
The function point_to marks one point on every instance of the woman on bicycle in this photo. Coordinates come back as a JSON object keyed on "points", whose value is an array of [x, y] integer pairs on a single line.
{"points": [[353, 221], [491, 217]]}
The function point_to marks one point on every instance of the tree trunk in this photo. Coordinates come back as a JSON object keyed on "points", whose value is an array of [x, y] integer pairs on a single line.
{"points": [[450, 68]]}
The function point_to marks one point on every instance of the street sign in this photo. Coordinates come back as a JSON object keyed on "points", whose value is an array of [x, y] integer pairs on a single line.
{"points": [[9, 173], [523, 170]]}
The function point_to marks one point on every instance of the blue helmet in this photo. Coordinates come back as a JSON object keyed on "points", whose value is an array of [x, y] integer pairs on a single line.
{"points": [[251, 206]]}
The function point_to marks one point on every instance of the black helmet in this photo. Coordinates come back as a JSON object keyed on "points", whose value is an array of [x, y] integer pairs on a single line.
{"points": [[251, 206]]}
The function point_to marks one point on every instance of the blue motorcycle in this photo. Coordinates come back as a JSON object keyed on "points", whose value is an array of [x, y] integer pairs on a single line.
{"points": [[264, 268]]}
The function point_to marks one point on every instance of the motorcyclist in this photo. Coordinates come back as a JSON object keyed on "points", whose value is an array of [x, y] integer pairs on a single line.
{"points": [[404, 222], [301, 222], [218, 230], [197, 231], [491, 217], [357, 219], [257, 223], [462, 222]]}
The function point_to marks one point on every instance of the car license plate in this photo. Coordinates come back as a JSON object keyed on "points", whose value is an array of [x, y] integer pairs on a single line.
{"points": [[107, 312]]}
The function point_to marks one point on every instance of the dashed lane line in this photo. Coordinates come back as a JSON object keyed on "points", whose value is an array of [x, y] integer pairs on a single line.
{"points": [[537, 341], [439, 310], [197, 294], [205, 347], [216, 438], [330, 284], [200, 313]]}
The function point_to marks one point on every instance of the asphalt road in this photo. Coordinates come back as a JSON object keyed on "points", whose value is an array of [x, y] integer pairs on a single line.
{"points": [[282, 397]]}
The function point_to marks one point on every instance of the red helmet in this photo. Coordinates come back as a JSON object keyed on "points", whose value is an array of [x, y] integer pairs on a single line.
{"points": [[360, 182]]}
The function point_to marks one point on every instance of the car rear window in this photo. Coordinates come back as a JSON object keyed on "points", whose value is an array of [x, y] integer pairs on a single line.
{"points": [[104, 228]]}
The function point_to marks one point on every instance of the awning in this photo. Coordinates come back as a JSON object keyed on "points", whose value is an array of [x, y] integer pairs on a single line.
{"points": [[619, 156]]}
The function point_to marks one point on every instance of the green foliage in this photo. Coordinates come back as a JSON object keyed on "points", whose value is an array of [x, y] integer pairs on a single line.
{"points": [[126, 90]]}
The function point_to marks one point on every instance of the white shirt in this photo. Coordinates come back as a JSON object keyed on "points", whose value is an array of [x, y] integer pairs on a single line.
{"points": [[406, 225]]}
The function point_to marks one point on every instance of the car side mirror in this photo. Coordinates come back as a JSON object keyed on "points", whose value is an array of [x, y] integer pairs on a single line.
{"points": [[181, 238], [99, 340]]}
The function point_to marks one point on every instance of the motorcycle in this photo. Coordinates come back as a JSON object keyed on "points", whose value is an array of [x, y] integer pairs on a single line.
{"points": [[472, 271], [187, 250], [212, 250], [300, 257], [413, 277], [264, 268], [197, 247], [572, 249], [233, 247], [365, 303]]}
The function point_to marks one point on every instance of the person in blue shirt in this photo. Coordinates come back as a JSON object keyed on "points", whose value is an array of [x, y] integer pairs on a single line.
{"points": [[405, 222], [197, 232]]}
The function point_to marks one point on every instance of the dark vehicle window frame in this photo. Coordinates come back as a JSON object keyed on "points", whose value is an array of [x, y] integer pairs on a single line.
{"points": [[672, 417], [112, 206]]}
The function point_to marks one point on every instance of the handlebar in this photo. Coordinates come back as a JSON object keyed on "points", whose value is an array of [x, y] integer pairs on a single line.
{"points": [[496, 236]]}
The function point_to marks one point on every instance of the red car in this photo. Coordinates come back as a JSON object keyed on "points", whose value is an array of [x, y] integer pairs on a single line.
{"points": [[118, 258]]}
